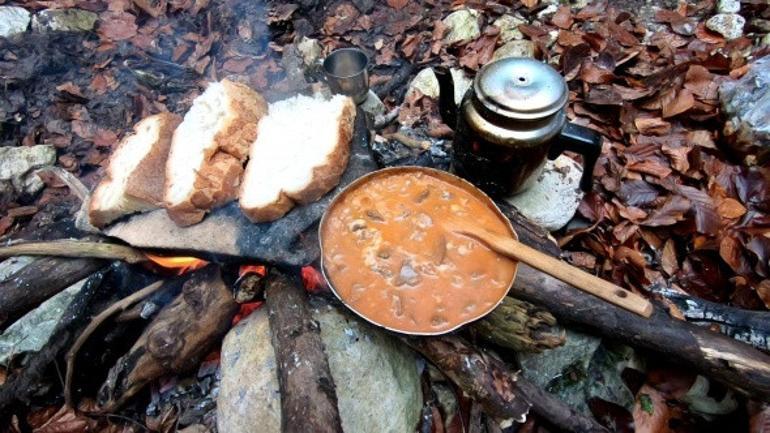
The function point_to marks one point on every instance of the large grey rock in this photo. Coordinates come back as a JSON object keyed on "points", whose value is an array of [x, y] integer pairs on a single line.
{"points": [[515, 48], [310, 50], [32, 331], [18, 166], [64, 20], [426, 82], [378, 386], [463, 26], [554, 198], [728, 25], [728, 6], [509, 27], [13, 20], [373, 104], [746, 104]]}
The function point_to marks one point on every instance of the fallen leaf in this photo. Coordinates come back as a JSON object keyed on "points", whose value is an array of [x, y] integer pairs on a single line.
{"points": [[683, 101], [563, 17], [397, 4], [651, 412], [652, 125], [706, 219], [678, 157], [701, 138], [670, 213], [763, 290], [117, 26], [668, 259], [530, 3], [730, 208]]}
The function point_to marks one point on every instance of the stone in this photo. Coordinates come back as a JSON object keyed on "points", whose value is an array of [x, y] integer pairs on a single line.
{"points": [[554, 198], [570, 362], [761, 24], [765, 41], [509, 27], [547, 12], [728, 6], [30, 333], [13, 20], [18, 166], [310, 50], [426, 82], [522, 48], [746, 105], [373, 374], [373, 104], [728, 25], [462, 25], [64, 20]]}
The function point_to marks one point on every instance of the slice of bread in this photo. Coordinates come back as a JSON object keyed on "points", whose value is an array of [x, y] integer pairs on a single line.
{"points": [[135, 177], [209, 148], [300, 153]]}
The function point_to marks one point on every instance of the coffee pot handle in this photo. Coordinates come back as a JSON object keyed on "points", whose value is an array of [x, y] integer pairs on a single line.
{"points": [[584, 141]]}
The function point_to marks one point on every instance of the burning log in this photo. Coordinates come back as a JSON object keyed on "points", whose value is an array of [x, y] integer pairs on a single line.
{"points": [[38, 281], [75, 249], [501, 392], [308, 395], [176, 340], [520, 326]]}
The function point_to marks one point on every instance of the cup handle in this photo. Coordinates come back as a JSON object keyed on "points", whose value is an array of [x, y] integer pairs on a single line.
{"points": [[584, 141]]}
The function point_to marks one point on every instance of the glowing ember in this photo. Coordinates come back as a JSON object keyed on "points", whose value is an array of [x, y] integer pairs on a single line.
{"points": [[252, 269], [245, 310], [313, 280], [179, 264]]}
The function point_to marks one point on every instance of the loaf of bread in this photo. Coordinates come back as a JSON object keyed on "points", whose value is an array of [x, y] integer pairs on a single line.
{"points": [[300, 153], [208, 149], [135, 176]]}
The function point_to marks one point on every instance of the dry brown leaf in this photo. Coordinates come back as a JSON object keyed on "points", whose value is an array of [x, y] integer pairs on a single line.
{"points": [[650, 166], [670, 213], [397, 4], [117, 26], [701, 138], [678, 157], [651, 412], [563, 17], [763, 290], [591, 73], [730, 251], [668, 259], [652, 125], [730, 208], [681, 103], [530, 3]]}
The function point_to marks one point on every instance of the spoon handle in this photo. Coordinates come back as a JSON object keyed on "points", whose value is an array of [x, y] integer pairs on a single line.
{"points": [[554, 267]]}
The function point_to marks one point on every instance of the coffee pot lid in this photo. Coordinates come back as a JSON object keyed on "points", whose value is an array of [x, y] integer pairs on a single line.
{"points": [[520, 88]]}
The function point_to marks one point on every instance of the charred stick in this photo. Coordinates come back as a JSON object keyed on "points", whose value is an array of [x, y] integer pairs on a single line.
{"points": [[75, 249], [95, 322], [502, 393], [308, 395], [752, 327], [402, 75], [176, 340], [38, 281]]}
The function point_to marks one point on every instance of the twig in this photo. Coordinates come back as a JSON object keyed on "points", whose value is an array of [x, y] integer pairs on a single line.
{"points": [[119, 306], [383, 120], [75, 248], [74, 184], [408, 141]]}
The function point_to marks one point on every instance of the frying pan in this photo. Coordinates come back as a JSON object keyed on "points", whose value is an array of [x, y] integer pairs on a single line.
{"points": [[506, 246]]}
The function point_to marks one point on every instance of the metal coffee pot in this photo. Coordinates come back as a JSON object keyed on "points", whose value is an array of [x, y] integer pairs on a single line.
{"points": [[509, 121]]}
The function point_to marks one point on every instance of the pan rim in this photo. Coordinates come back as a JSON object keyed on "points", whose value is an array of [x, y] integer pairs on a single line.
{"points": [[443, 176]]}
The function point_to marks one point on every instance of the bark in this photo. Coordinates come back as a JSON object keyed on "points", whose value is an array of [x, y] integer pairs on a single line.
{"points": [[176, 340], [501, 392], [308, 396], [520, 326], [38, 281]]}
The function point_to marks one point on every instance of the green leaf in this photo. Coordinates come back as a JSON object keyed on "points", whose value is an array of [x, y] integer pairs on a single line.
{"points": [[646, 402]]}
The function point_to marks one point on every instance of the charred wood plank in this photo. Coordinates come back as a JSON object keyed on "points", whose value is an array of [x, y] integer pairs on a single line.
{"points": [[501, 392], [308, 395], [38, 281], [176, 340]]}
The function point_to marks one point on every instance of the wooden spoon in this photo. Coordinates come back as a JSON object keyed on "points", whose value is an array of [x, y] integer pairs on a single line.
{"points": [[596, 286]]}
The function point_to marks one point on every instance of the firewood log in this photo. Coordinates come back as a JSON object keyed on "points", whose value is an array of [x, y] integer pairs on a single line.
{"points": [[501, 392], [308, 395], [38, 281], [176, 340], [521, 326]]}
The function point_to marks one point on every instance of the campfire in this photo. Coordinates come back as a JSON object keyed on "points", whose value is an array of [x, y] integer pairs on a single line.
{"points": [[392, 217]]}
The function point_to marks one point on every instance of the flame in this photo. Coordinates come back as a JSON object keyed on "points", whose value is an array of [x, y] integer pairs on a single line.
{"points": [[179, 264], [313, 280], [252, 269], [245, 310]]}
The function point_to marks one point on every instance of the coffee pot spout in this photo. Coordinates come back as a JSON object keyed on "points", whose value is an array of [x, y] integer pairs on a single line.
{"points": [[446, 100]]}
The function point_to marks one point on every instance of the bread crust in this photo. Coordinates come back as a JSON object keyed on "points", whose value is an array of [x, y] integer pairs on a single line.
{"points": [[324, 178], [218, 178], [145, 185]]}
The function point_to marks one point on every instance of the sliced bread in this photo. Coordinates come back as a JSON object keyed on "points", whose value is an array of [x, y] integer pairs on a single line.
{"points": [[208, 150], [301, 151], [135, 177]]}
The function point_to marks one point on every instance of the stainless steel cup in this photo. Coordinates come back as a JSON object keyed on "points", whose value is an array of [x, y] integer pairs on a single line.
{"points": [[346, 73]]}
